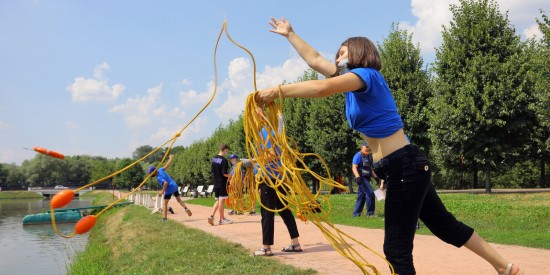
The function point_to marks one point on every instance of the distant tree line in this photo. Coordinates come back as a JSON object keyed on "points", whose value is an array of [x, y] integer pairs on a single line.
{"points": [[480, 111]]}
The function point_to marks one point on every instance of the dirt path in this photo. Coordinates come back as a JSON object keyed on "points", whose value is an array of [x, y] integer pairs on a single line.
{"points": [[431, 255]]}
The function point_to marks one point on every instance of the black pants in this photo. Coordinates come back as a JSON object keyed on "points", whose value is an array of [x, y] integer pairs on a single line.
{"points": [[269, 198], [410, 195]]}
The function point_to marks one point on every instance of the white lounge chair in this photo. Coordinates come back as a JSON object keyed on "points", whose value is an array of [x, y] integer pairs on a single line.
{"points": [[184, 190], [200, 193], [209, 191]]}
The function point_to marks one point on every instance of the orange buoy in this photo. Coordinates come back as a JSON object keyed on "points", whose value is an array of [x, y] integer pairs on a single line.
{"points": [[228, 202], [301, 216], [47, 152], [85, 224], [62, 198]]}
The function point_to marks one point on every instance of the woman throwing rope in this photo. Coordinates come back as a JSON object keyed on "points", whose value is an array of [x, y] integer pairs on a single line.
{"points": [[371, 110]]}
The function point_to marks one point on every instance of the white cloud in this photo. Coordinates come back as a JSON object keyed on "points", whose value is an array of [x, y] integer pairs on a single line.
{"points": [[164, 134], [194, 98], [533, 32], [96, 88], [142, 111], [432, 15], [239, 83]]}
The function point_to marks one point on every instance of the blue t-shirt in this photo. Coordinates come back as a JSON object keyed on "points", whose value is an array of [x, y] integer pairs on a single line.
{"points": [[364, 163], [272, 167], [162, 176], [372, 111]]}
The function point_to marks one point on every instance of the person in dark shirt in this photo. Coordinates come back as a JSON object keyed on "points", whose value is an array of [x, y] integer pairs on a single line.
{"points": [[220, 172]]}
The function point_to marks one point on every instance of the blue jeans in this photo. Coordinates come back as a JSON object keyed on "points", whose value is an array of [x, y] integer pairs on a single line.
{"points": [[365, 195], [410, 195]]}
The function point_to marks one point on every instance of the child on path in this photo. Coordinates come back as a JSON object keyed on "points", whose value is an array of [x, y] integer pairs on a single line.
{"points": [[169, 187]]}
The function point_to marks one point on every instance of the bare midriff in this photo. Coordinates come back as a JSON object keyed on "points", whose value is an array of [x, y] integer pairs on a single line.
{"points": [[382, 147]]}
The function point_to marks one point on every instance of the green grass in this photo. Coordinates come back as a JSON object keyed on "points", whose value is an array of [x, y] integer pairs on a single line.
{"points": [[20, 195], [129, 240], [517, 219]]}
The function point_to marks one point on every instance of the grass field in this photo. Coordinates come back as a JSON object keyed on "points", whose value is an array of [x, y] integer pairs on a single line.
{"points": [[518, 219], [129, 240], [19, 195]]}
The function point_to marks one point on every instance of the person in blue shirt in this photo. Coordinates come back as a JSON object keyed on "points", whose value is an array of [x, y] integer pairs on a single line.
{"points": [[362, 170], [169, 187], [371, 110]]}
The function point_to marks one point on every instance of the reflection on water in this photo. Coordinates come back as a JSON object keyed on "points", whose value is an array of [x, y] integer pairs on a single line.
{"points": [[35, 249]]}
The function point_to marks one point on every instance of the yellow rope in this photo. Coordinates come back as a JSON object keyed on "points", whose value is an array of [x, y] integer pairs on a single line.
{"points": [[242, 189], [285, 177]]}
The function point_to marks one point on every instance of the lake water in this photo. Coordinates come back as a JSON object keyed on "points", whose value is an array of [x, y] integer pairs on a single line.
{"points": [[35, 249]]}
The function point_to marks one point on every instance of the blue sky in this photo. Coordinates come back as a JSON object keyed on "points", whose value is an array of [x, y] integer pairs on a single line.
{"points": [[104, 77]]}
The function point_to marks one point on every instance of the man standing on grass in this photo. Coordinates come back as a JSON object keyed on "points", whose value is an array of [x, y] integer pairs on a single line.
{"points": [[169, 187], [220, 172], [362, 170]]}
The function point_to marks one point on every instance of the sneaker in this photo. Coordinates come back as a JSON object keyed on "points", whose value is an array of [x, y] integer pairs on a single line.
{"points": [[239, 213], [171, 210], [164, 220], [231, 212], [252, 213], [225, 221], [211, 220]]}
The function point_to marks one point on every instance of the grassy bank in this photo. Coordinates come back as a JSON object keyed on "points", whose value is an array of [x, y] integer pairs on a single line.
{"points": [[517, 219], [19, 195], [129, 240]]}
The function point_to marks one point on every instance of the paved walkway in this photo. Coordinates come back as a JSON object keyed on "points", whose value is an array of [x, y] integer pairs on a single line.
{"points": [[431, 255]]}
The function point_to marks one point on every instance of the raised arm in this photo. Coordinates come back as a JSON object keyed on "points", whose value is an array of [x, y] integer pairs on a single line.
{"points": [[168, 162], [310, 55]]}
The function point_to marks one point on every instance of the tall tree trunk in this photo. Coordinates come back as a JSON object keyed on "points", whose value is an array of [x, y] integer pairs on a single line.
{"points": [[488, 178], [476, 179], [314, 184], [542, 171]]}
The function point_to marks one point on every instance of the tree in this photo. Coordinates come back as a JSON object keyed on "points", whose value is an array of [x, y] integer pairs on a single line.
{"points": [[409, 83], [146, 149], [3, 176], [540, 60], [480, 91], [130, 178]]}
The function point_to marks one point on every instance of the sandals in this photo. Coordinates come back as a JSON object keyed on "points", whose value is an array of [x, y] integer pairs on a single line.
{"points": [[292, 248], [509, 269], [263, 252]]}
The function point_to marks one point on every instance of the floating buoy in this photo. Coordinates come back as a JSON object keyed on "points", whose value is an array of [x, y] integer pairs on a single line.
{"points": [[47, 152], [85, 224], [62, 198]]}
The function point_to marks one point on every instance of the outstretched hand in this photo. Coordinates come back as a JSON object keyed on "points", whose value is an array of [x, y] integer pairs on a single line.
{"points": [[265, 96], [281, 27]]}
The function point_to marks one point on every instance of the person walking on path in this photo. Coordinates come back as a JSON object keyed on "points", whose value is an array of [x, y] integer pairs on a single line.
{"points": [[169, 187], [371, 110], [362, 170], [220, 172]]}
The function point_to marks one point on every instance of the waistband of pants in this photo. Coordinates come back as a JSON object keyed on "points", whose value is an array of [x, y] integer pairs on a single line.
{"points": [[399, 153]]}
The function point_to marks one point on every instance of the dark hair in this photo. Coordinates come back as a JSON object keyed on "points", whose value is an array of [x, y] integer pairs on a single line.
{"points": [[362, 53], [224, 146]]}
